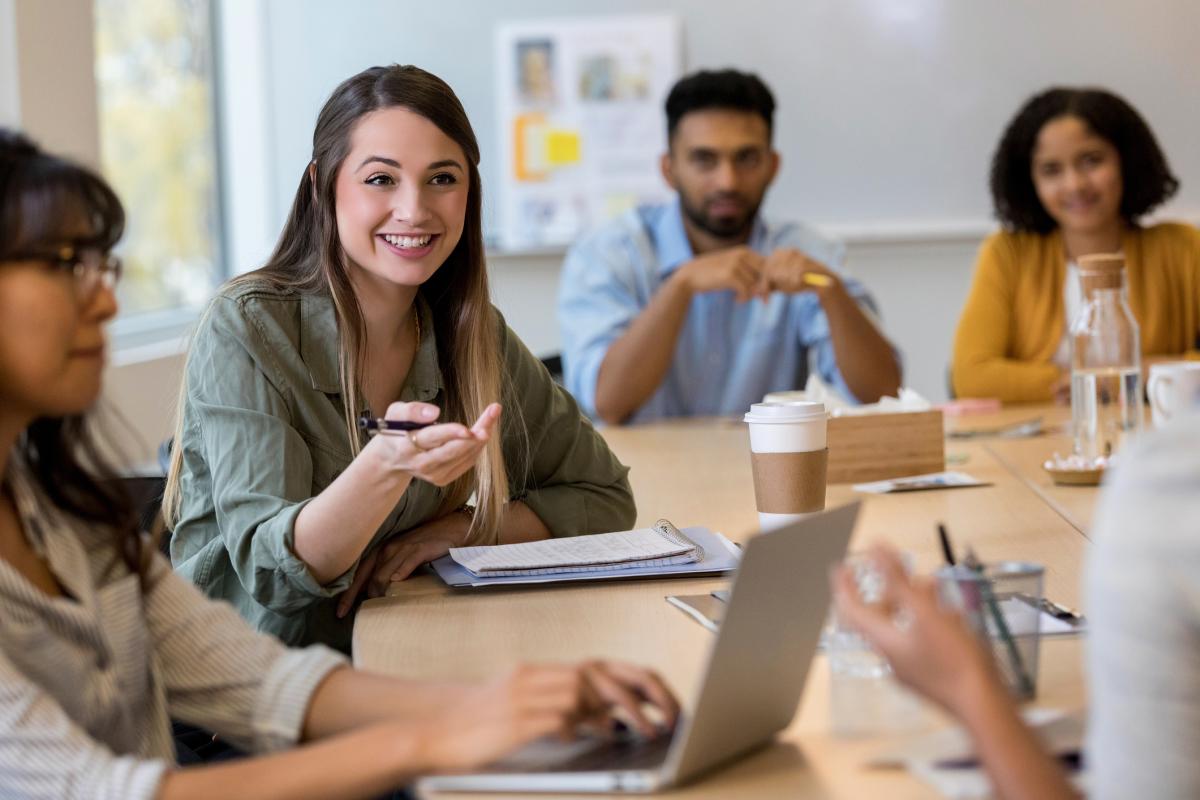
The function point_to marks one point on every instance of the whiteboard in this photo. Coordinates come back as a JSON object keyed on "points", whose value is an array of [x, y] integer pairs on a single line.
{"points": [[888, 109]]}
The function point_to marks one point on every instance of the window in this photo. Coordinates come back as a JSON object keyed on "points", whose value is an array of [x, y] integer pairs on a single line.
{"points": [[154, 76]]}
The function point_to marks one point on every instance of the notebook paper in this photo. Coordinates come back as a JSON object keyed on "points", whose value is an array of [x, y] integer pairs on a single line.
{"points": [[720, 558], [662, 545]]}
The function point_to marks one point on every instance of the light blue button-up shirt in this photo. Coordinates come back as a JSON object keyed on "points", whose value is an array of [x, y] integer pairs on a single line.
{"points": [[729, 354]]}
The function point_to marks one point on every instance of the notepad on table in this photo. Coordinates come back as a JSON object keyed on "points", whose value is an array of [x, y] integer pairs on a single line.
{"points": [[648, 553], [660, 546]]}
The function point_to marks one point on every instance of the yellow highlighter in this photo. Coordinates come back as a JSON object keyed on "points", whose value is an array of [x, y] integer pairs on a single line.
{"points": [[817, 279]]}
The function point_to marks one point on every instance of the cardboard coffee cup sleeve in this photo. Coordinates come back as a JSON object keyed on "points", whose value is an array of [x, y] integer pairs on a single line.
{"points": [[789, 483]]}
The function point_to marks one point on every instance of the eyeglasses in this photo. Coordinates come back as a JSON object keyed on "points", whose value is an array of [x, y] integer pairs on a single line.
{"points": [[90, 267]]}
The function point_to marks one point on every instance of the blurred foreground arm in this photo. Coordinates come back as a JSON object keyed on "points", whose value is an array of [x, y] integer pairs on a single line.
{"points": [[938, 657]]}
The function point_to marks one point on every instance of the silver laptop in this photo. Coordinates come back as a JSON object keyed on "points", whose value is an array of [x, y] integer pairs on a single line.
{"points": [[751, 688]]}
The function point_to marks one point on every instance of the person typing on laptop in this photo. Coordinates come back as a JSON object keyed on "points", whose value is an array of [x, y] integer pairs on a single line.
{"points": [[752, 680]]}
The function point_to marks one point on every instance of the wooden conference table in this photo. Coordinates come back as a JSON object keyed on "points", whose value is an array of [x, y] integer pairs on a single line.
{"points": [[698, 473], [1024, 457]]}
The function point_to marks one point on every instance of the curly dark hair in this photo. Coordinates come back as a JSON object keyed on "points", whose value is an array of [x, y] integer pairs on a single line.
{"points": [[721, 89], [1147, 179], [39, 193]]}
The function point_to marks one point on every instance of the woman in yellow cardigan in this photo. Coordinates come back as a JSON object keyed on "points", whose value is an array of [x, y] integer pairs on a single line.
{"points": [[1074, 172]]}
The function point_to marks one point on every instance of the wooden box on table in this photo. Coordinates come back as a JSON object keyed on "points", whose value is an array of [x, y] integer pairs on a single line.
{"points": [[873, 447]]}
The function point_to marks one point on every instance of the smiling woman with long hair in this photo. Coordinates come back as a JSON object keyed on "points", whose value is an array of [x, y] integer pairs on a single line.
{"points": [[101, 644], [375, 303]]}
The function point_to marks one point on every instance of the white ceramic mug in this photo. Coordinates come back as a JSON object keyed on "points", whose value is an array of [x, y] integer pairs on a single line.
{"points": [[1172, 388]]}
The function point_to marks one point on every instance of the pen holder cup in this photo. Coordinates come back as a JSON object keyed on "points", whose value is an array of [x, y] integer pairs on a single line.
{"points": [[1002, 606]]}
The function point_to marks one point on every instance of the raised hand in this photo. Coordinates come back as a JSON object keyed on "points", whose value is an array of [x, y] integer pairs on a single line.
{"points": [[437, 454]]}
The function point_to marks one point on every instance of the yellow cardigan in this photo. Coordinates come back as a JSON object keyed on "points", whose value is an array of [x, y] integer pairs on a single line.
{"points": [[1012, 323]]}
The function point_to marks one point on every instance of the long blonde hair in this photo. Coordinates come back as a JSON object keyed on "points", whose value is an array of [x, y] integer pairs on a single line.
{"points": [[308, 259]]}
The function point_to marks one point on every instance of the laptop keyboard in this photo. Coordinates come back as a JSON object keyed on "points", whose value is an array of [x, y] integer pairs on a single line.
{"points": [[622, 752]]}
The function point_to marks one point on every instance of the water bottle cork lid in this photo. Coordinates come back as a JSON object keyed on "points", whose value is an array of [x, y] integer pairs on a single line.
{"points": [[1101, 261], [1101, 271]]}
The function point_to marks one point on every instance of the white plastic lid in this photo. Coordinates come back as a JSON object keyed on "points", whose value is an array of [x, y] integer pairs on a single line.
{"points": [[799, 411]]}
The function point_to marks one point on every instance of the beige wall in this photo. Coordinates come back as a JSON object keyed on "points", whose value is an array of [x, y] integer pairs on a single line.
{"points": [[10, 100], [54, 81], [143, 393]]}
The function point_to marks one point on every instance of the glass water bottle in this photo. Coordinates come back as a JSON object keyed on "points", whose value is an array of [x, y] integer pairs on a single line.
{"points": [[1106, 363]]}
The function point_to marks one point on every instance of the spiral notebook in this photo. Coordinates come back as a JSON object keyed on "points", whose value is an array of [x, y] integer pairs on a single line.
{"points": [[659, 546], [661, 551]]}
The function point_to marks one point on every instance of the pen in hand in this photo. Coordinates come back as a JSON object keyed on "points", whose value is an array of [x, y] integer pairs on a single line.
{"points": [[394, 427]]}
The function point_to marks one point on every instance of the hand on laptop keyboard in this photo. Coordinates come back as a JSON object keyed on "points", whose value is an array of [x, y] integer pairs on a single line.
{"points": [[479, 724]]}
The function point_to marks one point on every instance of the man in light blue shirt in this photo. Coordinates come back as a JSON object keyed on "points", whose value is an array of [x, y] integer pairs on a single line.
{"points": [[700, 307]]}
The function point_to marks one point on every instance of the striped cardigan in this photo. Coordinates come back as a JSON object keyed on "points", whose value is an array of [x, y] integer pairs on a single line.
{"points": [[87, 681]]}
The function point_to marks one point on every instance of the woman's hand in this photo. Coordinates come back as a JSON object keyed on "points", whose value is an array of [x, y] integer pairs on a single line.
{"points": [[934, 652], [437, 454], [489, 721], [333, 531], [397, 558]]}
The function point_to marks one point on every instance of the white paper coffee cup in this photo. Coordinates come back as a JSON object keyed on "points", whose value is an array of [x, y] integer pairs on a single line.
{"points": [[788, 457]]}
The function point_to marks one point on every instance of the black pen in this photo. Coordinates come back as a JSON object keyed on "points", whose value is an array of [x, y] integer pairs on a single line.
{"points": [[379, 425], [1071, 759], [1061, 612], [947, 550]]}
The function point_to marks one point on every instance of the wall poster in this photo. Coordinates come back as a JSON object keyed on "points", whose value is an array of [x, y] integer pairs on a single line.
{"points": [[582, 123]]}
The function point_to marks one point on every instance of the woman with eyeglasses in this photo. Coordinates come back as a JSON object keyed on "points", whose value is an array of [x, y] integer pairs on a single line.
{"points": [[101, 644], [374, 304]]}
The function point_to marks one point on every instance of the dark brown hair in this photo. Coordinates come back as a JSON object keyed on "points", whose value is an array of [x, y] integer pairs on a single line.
{"points": [[40, 195], [1146, 178], [725, 89]]}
